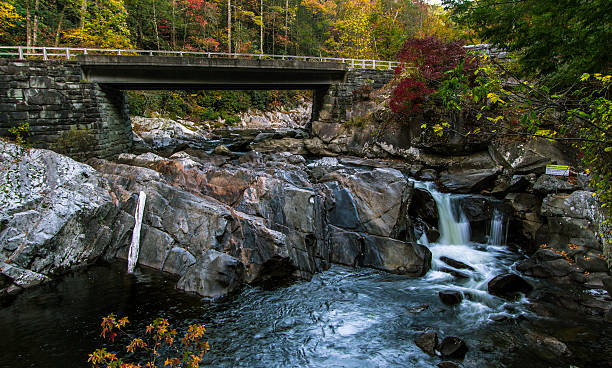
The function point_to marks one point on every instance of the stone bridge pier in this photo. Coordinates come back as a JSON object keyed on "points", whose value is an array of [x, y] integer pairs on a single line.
{"points": [[87, 95]]}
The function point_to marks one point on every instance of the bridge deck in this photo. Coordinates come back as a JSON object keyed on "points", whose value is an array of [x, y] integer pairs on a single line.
{"points": [[169, 72]]}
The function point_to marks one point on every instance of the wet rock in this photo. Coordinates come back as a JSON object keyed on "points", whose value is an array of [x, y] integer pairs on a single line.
{"points": [[608, 316], [418, 308], [396, 256], [468, 181], [215, 274], [5, 281], [452, 347], [549, 347], [424, 206], [498, 317], [507, 285], [428, 342], [450, 297], [457, 264], [448, 364], [457, 274], [427, 175], [293, 145]]}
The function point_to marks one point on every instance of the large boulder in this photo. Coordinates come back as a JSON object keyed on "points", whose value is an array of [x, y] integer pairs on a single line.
{"points": [[381, 198], [215, 274], [56, 213], [468, 181], [527, 157]]}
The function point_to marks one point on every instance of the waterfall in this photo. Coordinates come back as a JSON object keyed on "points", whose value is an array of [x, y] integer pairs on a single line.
{"points": [[454, 225], [135, 246], [497, 235]]}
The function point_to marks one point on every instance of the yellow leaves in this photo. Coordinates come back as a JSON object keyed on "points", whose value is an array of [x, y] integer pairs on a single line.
{"points": [[495, 119], [494, 98], [8, 16], [584, 77]]}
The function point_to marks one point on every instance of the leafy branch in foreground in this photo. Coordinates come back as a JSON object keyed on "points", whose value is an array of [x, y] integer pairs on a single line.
{"points": [[159, 343]]}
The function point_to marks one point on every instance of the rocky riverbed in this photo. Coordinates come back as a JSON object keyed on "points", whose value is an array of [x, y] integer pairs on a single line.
{"points": [[265, 208]]}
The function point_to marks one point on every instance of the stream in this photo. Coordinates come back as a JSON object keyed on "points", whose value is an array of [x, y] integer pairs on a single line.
{"points": [[343, 317]]}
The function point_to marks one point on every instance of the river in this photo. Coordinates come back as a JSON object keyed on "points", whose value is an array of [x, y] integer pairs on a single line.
{"points": [[343, 317]]}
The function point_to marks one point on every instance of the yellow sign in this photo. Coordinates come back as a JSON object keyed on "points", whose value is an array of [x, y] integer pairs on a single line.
{"points": [[560, 170]]}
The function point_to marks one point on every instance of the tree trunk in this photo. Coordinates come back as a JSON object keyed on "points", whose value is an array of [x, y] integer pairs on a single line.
{"points": [[28, 25], [35, 27], [173, 25], [229, 26], [59, 28], [155, 26], [286, 24], [83, 12], [261, 27]]}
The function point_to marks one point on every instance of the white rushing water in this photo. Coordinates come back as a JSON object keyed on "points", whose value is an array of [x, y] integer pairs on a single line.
{"points": [[485, 260]]}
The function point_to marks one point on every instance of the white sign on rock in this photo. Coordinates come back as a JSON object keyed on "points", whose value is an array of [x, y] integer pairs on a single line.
{"points": [[560, 170]]}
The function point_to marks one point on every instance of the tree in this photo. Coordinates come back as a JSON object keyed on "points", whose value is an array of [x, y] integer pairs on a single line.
{"points": [[557, 40], [9, 19]]}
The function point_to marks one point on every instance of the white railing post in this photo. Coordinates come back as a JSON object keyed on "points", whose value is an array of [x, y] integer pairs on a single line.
{"points": [[84, 51], [67, 54], [373, 64], [44, 53], [352, 63], [20, 50]]}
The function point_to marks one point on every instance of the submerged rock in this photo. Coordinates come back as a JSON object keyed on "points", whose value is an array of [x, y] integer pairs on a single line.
{"points": [[450, 297], [453, 347], [428, 342], [508, 285]]}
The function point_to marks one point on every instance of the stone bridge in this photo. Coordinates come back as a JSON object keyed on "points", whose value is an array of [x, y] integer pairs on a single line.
{"points": [[87, 91]]}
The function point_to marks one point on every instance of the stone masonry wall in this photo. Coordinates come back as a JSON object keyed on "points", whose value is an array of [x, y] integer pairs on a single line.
{"points": [[52, 97], [338, 98]]}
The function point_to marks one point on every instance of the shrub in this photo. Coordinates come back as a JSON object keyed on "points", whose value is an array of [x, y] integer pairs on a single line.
{"points": [[159, 341], [74, 141]]}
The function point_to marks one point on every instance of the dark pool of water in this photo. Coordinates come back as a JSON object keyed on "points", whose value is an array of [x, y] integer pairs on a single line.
{"points": [[342, 318]]}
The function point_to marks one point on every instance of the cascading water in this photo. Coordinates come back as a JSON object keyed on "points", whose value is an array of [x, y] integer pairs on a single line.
{"points": [[483, 261], [497, 234]]}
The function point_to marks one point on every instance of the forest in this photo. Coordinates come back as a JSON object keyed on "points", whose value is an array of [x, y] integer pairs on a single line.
{"points": [[339, 28]]}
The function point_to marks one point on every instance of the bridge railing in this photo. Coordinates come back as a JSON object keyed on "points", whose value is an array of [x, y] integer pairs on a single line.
{"points": [[67, 53]]}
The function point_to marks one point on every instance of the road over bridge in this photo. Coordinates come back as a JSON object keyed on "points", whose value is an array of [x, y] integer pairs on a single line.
{"points": [[60, 89]]}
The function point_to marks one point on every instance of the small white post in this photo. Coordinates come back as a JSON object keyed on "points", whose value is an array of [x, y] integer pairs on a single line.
{"points": [[67, 54], [135, 246], [20, 52]]}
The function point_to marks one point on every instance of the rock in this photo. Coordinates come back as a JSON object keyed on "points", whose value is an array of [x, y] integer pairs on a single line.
{"points": [[553, 184], [452, 347], [468, 181], [396, 256], [352, 248], [578, 205], [56, 213], [456, 264], [507, 285], [427, 175], [450, 297], [448, 364], [293, 145], [607, 284], [428, 342], [5, 281], [215, 275], [167, 134], [424, 206], [178, 261], [457, 274], [592, 262], [528, 157], [223, 151], [381, 196]]}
